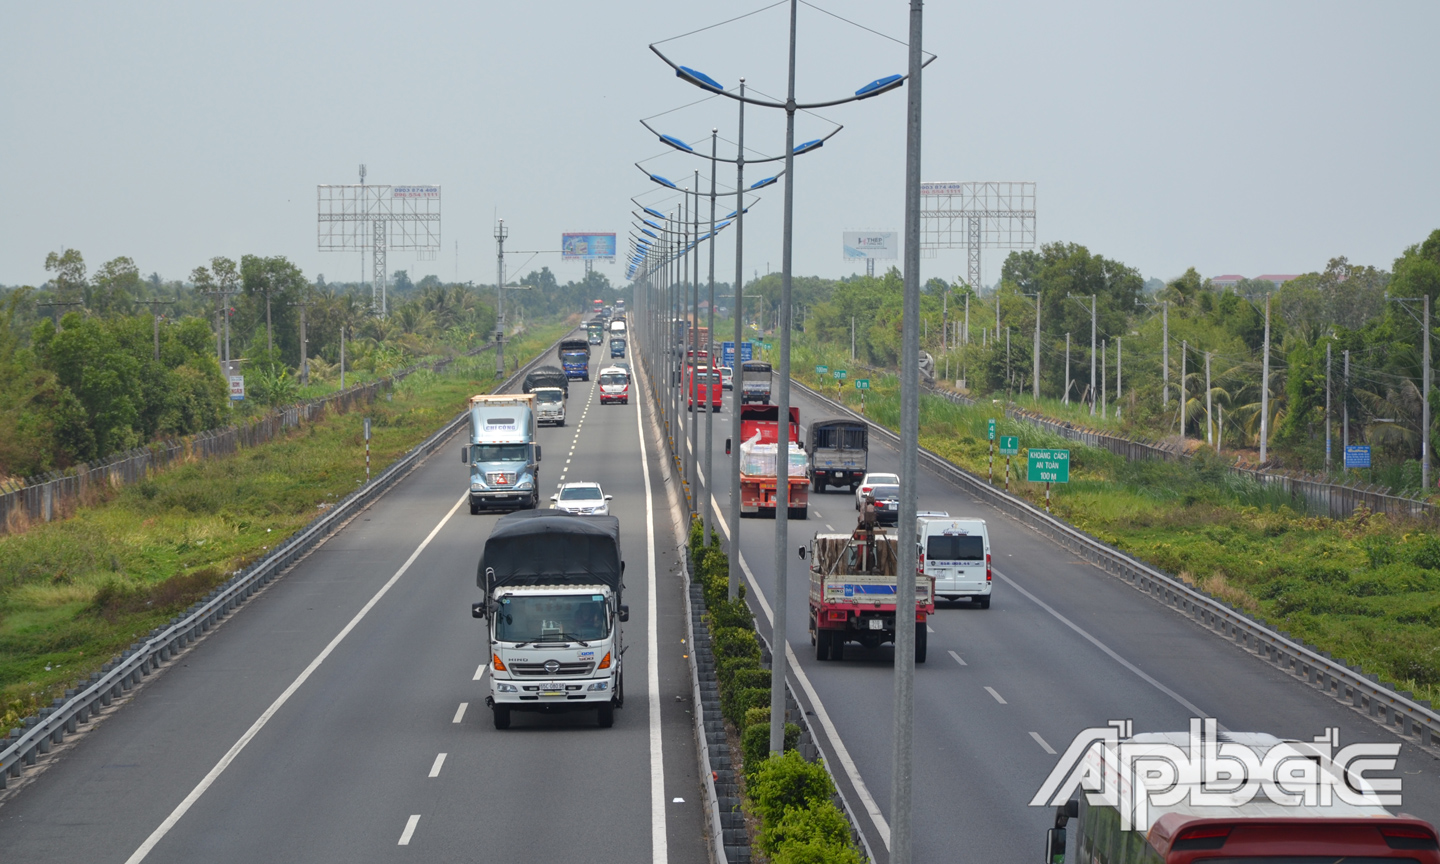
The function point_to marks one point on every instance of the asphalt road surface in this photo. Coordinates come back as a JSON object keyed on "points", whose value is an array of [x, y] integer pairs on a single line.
{"points": [[1062, 647], [339, 716]]}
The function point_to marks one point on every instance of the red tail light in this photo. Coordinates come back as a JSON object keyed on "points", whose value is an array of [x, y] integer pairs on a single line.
{"points": [[1202, 837], [987, 567], [1408, 837]]}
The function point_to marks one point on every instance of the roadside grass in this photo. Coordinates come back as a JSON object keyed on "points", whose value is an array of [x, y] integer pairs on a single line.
{"points": [[1365, 589], [76, 592]]}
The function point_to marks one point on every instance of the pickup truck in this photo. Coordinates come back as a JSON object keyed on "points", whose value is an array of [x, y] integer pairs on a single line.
{"points": [[552, 586], [853, 593]]}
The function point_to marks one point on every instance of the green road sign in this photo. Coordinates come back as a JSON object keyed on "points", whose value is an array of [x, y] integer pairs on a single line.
{"points": [[1049, 466], [1009, 445], [821, 370], [839, 373], [992, 428], [862, 383]]}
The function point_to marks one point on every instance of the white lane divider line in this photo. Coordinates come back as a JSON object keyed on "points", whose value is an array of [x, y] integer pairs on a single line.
{"points": [[998, 697], [460, 712], [209, 779], [1190, 706], [659, 842], [842, 753], [409, 830], [480, 671], [1041, 741], [829, 526], [957, 659], [440, 760]]}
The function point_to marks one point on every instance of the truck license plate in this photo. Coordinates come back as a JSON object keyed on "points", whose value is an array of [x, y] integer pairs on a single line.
{"points": [[876, 624], [552, 690]]}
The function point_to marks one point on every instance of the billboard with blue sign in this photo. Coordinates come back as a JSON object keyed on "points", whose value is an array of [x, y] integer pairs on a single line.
{"points": [[580, 247], [727, 353], [1357, 456]]}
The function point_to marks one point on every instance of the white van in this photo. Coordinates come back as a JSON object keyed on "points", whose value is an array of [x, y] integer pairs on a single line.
{"points": [[956, 553]]}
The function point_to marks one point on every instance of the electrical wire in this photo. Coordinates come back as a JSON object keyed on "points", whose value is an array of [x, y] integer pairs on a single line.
{"points": [[722, 23]]}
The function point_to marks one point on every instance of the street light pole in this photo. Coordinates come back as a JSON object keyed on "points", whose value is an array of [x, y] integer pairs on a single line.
{"points": [[738, 380], [501, 232], [903, 756], [712, 375]]}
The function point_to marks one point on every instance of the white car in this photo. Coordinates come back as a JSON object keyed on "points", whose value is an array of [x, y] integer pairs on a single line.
{"points": [[727, 378], [870, 482], [583, 499]]}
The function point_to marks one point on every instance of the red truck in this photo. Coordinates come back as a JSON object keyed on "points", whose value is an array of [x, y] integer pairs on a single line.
{"points": [[759, 456], [699, 378], [853, 593]]}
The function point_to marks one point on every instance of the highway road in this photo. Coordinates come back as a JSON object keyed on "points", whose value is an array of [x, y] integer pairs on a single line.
{"points": [[1063, 647], [339, 716]]}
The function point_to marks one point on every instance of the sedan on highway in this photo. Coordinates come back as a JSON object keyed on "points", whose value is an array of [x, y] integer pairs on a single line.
{"points": [[868, 485], [887, 504], [582, 499]]}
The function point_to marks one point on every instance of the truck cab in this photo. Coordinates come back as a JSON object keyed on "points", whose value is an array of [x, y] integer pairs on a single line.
{"points": [[617, 345], [549, 405], [502, 457]]}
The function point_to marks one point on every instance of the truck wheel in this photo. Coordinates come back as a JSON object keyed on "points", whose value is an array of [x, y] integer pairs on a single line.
{"points": [[502, 717], [983, 602], [837, 645], [822, 645], [816, 485], [560, 423], [605, 715], [921, 638]]}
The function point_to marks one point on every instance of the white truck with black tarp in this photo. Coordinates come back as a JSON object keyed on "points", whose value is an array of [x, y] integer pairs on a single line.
{"points": [[553, 586], [502, 456]]}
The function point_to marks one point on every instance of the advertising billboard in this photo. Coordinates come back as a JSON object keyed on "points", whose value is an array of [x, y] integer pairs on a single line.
{"points": [[578, 247], [872, 244], [415, 192]]}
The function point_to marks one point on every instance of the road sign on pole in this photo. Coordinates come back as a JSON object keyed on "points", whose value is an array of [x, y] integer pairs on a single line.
{"points": [[839, 374], [862, 383], [1009, 445], [992, 428], [237, 388], [821, 370], [1049, 466], [1357, 456]]}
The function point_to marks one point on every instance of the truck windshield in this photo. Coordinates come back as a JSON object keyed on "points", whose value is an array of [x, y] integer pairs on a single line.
{"points": [[955, 547], [566, 618], [500, 452], [548, 396], [573, 354]]}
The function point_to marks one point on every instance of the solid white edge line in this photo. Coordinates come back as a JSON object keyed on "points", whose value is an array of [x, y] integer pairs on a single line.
{"points": [[209, 779], [439, 762], [1194, 711], [460, 712], [659, 842], [1041, 741], [409, 830], [998, 697], [842, 754]]}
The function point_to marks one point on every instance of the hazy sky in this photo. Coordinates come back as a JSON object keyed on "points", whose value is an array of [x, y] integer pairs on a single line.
{"points": [[1236, 137]]}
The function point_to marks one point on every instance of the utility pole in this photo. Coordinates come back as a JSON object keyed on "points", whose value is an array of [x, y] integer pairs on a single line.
{"points": [[967, 319], [57, 304], [944, 320], [501, 232], [1184, 351], [1209, 400], [1265, 388], [1104, 408], [155, 319], [1035, 385], [852, 338], [1425, 405], [1008, 376], [1092, 355], [304, 343], [1119, 340], [1328, 345], [342, 356], [1066, 400], [1165, 353], [1345, 403], [739, 368]]}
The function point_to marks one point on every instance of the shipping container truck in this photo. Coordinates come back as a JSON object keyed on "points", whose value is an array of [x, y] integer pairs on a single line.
{"points": [[502, 457]]}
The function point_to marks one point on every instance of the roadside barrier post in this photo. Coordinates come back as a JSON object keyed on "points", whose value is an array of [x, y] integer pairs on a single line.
{"points": [[367, 451]]}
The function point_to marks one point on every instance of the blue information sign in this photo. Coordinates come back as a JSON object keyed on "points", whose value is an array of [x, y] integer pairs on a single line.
{"points": [[727, 353], [1357, 456]]}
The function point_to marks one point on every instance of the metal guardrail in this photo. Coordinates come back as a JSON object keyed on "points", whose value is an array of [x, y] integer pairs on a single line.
{"points": [[64, 715], [1416, 719]]}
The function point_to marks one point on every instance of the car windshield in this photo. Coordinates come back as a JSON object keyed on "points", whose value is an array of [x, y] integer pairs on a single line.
{"points": [[548, 396], [580, 493], [878, 479], [886, 492], [499, 452], [552, 619], [614, 378]]}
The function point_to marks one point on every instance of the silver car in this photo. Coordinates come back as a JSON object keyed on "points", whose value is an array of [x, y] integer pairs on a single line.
{"points": [[583, 499]]}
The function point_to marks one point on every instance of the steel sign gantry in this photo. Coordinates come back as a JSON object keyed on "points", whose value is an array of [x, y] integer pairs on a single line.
{"points": [[382, 218], [975, 216]]}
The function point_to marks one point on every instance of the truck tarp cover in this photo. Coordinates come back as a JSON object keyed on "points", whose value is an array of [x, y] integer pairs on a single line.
{"points": [[547, 376], [838, 435], [542, 547]]}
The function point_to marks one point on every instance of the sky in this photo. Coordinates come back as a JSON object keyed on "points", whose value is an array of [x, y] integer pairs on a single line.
{"points": [[1234, 137]]}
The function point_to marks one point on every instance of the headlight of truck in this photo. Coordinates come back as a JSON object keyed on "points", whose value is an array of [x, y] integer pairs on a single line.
{"points": [[524, 484], [476, 486], [599, 685], [505, 688]]}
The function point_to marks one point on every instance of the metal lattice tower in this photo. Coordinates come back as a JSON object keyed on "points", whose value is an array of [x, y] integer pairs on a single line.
{"points": [[975, 216], [380, 218]]}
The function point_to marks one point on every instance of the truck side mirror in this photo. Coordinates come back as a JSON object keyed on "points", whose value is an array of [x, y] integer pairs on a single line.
{"points": [[465, 454], [537, 452], [1055, 846], [802, 553], [477, 610], [624, 612], [727, 446]]}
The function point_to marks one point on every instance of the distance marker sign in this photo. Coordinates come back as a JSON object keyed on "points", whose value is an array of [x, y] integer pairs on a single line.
{"points": [[1049, 466], [862, 383]]}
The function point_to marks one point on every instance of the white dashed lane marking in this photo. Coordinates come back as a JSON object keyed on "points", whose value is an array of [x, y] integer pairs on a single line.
{"points": [[957, 659], [435, 769], [409, 830], [460, 712], [990, 690], [1041, 741]]}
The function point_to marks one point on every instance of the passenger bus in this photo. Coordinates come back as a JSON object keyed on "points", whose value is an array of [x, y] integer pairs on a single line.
{"points": [[598, 306], [1252, 830]]}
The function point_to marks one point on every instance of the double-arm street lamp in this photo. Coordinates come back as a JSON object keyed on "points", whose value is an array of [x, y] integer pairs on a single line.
{"points": [[782, 486]]}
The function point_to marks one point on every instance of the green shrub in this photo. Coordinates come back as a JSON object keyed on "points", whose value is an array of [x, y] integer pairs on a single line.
{"points": [[735, 701], [822, 825], [733, 642], [816, 852], [726, 667], [731, 613], [755, 741], [756, 715], [788, 781]]}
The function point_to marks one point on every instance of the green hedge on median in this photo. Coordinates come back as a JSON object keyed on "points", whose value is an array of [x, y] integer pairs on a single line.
{"points": [[800, 823]]}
